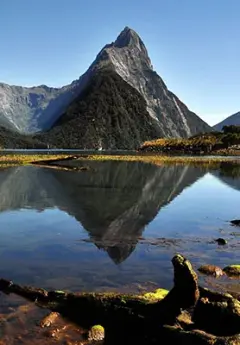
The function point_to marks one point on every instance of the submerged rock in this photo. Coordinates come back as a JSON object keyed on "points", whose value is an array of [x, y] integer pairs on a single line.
{"points": [[211, 270], [49, 319], [235, 222], [232, 270], [96, 333], [221, 241]]}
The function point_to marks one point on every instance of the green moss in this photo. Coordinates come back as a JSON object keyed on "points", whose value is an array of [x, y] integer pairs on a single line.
{"points": [[235, 266], [98, 328], [123, 300], [233, 270], [155, 295]]}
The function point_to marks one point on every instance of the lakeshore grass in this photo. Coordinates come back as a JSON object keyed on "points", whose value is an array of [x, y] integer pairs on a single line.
{"points": [[161, 159], [18, 159]]}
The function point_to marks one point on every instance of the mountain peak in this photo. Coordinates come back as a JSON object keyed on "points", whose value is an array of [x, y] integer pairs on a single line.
{"points": [[128, 37]]}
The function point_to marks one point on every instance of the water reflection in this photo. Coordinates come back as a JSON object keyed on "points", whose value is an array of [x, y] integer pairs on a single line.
{"points": [[114, 201], [229, 174], [117, 224]]}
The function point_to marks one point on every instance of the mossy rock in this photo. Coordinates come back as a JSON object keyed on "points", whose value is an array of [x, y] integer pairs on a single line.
{"points": [[156, 295], [96, 333], [232, 270]]}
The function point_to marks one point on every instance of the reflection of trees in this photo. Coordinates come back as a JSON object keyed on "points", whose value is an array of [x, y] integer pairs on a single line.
{"points": [[230, 170], [228, 173]]}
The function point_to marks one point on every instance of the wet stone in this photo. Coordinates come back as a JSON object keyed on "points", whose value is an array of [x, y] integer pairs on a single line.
{"points": [[49, 319], [232, 270], [221, 241], [96, 333], [211, 270]]}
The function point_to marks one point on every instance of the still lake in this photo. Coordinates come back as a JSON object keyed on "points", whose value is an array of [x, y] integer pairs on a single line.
{"points": [[116, 226]]}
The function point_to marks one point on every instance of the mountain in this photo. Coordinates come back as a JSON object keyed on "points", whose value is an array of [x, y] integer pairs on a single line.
{"points": [[15, 140], [109, 113], [118, 103], [105, 115], [231, 120], [33, 109], [114, 201]]}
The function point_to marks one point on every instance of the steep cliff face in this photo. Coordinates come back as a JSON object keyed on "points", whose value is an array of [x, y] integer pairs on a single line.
{"points": [[231, 120], [29, 110], [109, 113], [129, 58], [39, 108]]}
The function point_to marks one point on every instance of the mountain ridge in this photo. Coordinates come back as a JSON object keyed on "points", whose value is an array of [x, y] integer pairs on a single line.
{"points": [[230, 120]]}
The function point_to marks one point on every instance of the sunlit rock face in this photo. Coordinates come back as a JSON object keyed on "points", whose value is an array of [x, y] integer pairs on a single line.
{"points": [[130, 60]]}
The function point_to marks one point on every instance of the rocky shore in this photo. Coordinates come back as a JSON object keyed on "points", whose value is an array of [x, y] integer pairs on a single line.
{"points": [[187, 314]]}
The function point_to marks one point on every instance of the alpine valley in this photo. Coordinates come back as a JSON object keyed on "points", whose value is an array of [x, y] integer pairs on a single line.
{"points": [[118, 103]]}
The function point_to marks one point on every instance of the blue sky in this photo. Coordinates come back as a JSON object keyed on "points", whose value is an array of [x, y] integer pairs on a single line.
{"points": [[193, 44]]}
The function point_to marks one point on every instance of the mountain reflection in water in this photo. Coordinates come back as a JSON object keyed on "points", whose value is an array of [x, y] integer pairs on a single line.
{"points": [[114, 201], [116, 224]]}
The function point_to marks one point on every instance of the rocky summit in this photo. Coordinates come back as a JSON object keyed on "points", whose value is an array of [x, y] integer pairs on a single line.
{"points": [[118, 103]]}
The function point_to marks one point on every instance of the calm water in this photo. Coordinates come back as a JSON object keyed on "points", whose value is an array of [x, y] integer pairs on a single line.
{"points": [[116, 226]]}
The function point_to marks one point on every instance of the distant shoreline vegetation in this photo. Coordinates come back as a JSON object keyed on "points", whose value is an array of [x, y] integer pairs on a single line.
{"points": [[226, 142], [79, 162], [207, 148]]}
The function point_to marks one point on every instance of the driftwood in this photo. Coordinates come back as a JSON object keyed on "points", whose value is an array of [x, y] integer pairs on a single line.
{"points": [[148, 318]]}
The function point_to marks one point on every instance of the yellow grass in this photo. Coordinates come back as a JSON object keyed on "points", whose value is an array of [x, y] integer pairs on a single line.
{"points": [[28, 159], [159, 159], [11, 160], [176, 142]]}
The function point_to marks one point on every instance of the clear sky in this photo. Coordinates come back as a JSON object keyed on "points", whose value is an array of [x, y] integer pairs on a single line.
{"points": [[194, 45]]}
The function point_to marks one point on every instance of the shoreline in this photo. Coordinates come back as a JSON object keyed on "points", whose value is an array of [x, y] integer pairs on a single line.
{"points": [[187, 313], [76, 160]]}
